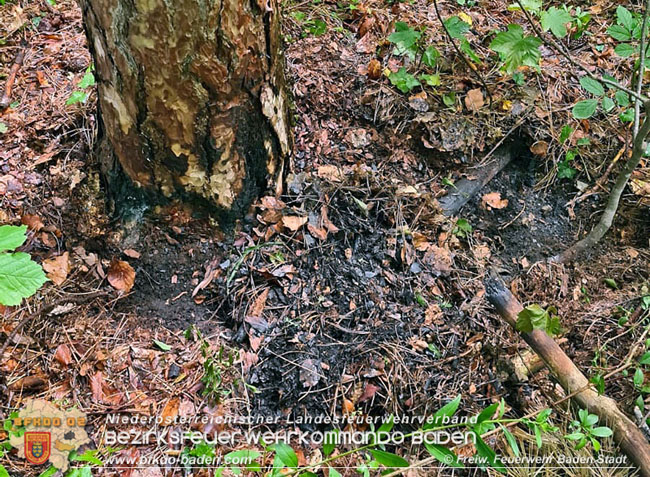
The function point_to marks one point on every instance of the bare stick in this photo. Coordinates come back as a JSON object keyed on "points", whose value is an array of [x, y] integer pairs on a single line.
{"points": [[626, 434], [5, 101], [460, 53]]}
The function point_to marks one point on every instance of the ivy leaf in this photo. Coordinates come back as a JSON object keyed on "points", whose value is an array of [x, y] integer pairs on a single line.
{"points": [[20, 277], [12, 237], [593, 86], [456, 27], [555, 19], [624, 50], [585, 109], [403, 81], [77, 97], [516, 49], [405, 39]]}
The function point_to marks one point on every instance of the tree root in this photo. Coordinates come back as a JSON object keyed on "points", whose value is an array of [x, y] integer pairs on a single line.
{"points": [[5, 101], [626, 434]]}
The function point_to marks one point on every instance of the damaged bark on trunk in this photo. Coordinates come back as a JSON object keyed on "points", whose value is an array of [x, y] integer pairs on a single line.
{"points": [[192, 98]]}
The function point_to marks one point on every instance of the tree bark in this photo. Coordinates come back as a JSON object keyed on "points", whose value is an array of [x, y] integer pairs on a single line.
{"points": [[192, 98]]}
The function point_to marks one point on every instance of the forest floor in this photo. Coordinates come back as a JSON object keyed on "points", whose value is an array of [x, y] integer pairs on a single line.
{"points": [[352, 292]]}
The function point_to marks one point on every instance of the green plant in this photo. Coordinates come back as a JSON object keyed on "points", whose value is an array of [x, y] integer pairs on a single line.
{"points": [[534, 317], [586, 432], [214, 366], [517, 49], [81, 94], [462, 228], [311, 26], [627, 29], [20, 276]]}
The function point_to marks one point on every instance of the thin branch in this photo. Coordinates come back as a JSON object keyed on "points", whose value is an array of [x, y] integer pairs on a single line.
{"points": [[556, 46], [460, 53], [639, 80]]}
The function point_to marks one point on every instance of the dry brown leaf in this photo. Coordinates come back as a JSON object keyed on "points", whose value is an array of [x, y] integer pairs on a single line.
{"points": [[170, 412], [32, 221], [540, 148], [326, 221], [293, 222], [440, 259], [96, 382], [374, 69], [57, 268], [63, 354], [347, 406], [494, 200], [368, 392], [129, 252], [258, 305], [330, 173], [318, 232], [474, 99], [121, 275]]}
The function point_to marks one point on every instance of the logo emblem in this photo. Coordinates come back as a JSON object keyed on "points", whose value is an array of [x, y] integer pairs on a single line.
{"points": [[37, 447]]}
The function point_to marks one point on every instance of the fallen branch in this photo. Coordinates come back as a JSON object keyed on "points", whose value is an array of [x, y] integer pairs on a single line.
{"points": [[465, 189], [5, 101], [626, 434]]}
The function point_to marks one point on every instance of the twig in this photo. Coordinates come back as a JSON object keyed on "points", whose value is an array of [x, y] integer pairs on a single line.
{"points": [[45, 310], [5, 101], [556, 46], [460, 53]]}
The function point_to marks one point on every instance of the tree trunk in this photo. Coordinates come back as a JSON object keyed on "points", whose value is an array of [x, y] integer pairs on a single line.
{"points": [[192, 98]]}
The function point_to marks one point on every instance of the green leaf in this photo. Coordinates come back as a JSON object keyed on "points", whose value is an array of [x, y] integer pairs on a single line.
{"points": [[388, 459], [77, 97], [50, 471], [625, 18], [333, 472], [456, 27], [12, 237], [565, 133], [487, 413], [533, 6], [285, 454], [489, 455], [627, 116], [585, 109], [430, 56], [593, 86], [317, 27], [20, 277], [555, 19], [624, 50], [444, 455], [533, 317], [611, 283], [449, 99], [575, 436], [431, 80], [4, 473], [516, 49], [247, 455], [448, 410], [89, 456], [87, 81], [638, 378], [619, 33], [645, 359], [608, 104], [512, 442], [405, 39], [601, 431], [161, 345], [3, 128], [330, 442], [403, 81], [622, 98]]}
